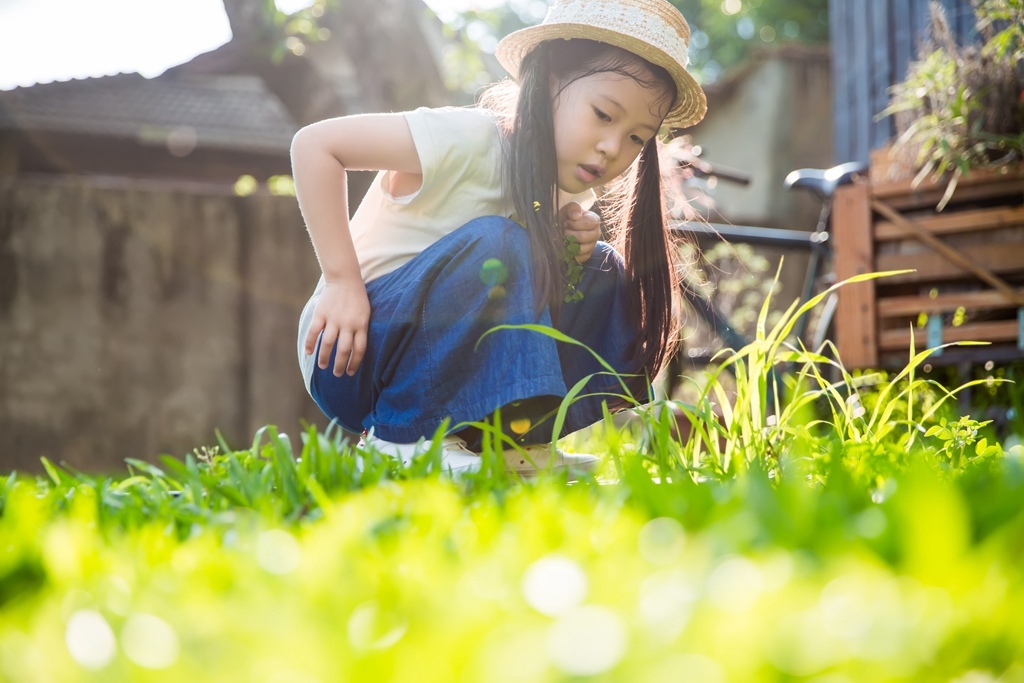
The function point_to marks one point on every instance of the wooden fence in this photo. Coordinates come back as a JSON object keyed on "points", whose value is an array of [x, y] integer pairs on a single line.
{"points": [[966, 269], [137, 319], [873, 42]]}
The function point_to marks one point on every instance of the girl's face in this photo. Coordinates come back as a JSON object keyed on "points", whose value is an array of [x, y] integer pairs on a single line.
{"points": [[601, 123]]}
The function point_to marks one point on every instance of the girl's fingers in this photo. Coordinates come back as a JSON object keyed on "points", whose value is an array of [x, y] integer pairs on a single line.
{"points": [[587, 240], [570, 212], [584, 236], [326, 344], [584, 226], [358, 351], [341, 319], [589, 222], [314, 332], [315, 328], [351, 349], [342, 355]]}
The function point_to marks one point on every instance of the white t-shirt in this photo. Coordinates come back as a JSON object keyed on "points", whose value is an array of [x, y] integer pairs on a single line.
{"points": [[460, 157]]}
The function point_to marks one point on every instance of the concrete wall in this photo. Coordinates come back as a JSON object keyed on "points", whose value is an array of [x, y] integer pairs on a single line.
{"points": [[136, 320], [775, 117], [768, 119]]}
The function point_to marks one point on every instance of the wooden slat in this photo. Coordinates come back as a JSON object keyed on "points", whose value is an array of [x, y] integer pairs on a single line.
{"points": [[918, 29], [956, 222], [842, 90], [930, 198], [954, 256], [997, 258], [855, 315], [872, 44], [902, 38], [880, 71], [861, 103], [963, 20], [897, 306], [977, 176], [997, 331], [980, 184]]}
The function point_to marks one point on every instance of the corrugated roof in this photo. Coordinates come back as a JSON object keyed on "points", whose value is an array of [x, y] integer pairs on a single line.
{"points": [[227, 112]]}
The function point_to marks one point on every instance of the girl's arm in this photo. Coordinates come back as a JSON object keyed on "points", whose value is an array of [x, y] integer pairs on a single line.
{"points": [[321, 155]]}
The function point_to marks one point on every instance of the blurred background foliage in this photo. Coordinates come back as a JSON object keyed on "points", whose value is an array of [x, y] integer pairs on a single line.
{"points": [[724, 32]]}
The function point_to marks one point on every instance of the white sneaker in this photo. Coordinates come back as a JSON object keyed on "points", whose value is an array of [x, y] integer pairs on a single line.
{"points": [[532, 459], [456, 459]]}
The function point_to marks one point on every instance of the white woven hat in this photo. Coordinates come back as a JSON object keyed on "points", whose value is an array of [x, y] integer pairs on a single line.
{"points": [[652, 29]]}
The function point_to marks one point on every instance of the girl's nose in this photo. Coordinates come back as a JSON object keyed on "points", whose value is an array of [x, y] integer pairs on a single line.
{"points": [[609, 147]]}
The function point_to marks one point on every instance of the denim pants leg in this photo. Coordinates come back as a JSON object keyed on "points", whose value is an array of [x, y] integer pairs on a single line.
{"points": [[427, 358]]}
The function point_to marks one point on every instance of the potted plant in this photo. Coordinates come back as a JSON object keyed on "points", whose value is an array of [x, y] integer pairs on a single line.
{"points": [[962, 107]]}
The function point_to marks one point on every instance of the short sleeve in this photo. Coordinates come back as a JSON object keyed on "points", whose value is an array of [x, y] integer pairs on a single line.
{"points": [[452, 143]]}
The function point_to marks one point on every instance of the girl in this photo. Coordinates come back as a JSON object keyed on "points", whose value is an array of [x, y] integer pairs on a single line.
{"points": [[480, 217]]}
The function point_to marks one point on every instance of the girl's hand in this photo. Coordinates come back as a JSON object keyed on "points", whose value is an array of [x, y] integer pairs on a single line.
{"points": [[585, 226], [343, 315]]}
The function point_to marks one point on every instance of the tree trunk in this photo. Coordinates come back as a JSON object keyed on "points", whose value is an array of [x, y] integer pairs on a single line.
{"points": [[387, 42], [390, 47], [296, 81]]}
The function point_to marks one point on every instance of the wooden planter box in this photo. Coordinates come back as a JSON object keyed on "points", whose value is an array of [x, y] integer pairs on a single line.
{"points": [[968, 259]]}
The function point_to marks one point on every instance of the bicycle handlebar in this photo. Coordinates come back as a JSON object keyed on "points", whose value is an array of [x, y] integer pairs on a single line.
{"points": [[703, 169]]}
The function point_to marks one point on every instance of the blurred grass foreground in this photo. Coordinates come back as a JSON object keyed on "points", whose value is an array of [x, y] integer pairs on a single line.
{"points": [[853, 530]]}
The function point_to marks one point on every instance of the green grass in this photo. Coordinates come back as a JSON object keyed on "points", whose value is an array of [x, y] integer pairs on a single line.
{"points": [[861, 531]]}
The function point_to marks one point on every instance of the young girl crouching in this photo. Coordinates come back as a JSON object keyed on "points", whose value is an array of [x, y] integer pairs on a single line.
{"points": [[467, 228]]}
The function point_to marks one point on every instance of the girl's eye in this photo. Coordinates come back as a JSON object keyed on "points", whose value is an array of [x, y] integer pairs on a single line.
{"points": [[601, 115], [638, 140]]}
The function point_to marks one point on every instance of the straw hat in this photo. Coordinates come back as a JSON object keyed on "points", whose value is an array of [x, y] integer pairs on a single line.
{"points": [[652, 29]]}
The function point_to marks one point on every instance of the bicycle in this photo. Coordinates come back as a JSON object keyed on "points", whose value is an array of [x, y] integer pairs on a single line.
{"points": [[820, 182]]}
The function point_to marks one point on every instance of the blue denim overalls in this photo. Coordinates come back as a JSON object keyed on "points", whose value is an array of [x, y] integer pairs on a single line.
{"points": [[425, 360]]}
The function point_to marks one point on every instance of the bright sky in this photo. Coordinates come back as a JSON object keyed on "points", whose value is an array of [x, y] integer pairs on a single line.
{"points": [[47, 40]]}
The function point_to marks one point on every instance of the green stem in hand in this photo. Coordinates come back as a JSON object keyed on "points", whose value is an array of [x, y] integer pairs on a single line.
{"points": [[573, 269]]}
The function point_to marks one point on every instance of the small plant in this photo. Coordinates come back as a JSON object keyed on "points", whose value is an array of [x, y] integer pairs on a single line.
{"points": [[963, 107], [959, 436], [573, 270]]}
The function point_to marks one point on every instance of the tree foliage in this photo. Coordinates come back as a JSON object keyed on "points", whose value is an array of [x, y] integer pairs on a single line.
{"points": [[395, 74], [723, 32]]}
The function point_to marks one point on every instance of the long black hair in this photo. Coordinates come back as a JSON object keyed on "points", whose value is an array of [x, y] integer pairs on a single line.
{"points": [[634, 216]]}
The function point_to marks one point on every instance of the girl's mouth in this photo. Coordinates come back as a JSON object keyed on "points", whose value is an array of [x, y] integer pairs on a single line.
{"points": [[589, 174]]}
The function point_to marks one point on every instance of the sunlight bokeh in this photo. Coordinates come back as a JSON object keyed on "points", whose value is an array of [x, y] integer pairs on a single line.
{"points": [[64, 39]]}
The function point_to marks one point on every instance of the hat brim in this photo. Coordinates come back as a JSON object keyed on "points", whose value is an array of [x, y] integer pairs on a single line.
{"points": [[690, 105]]}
